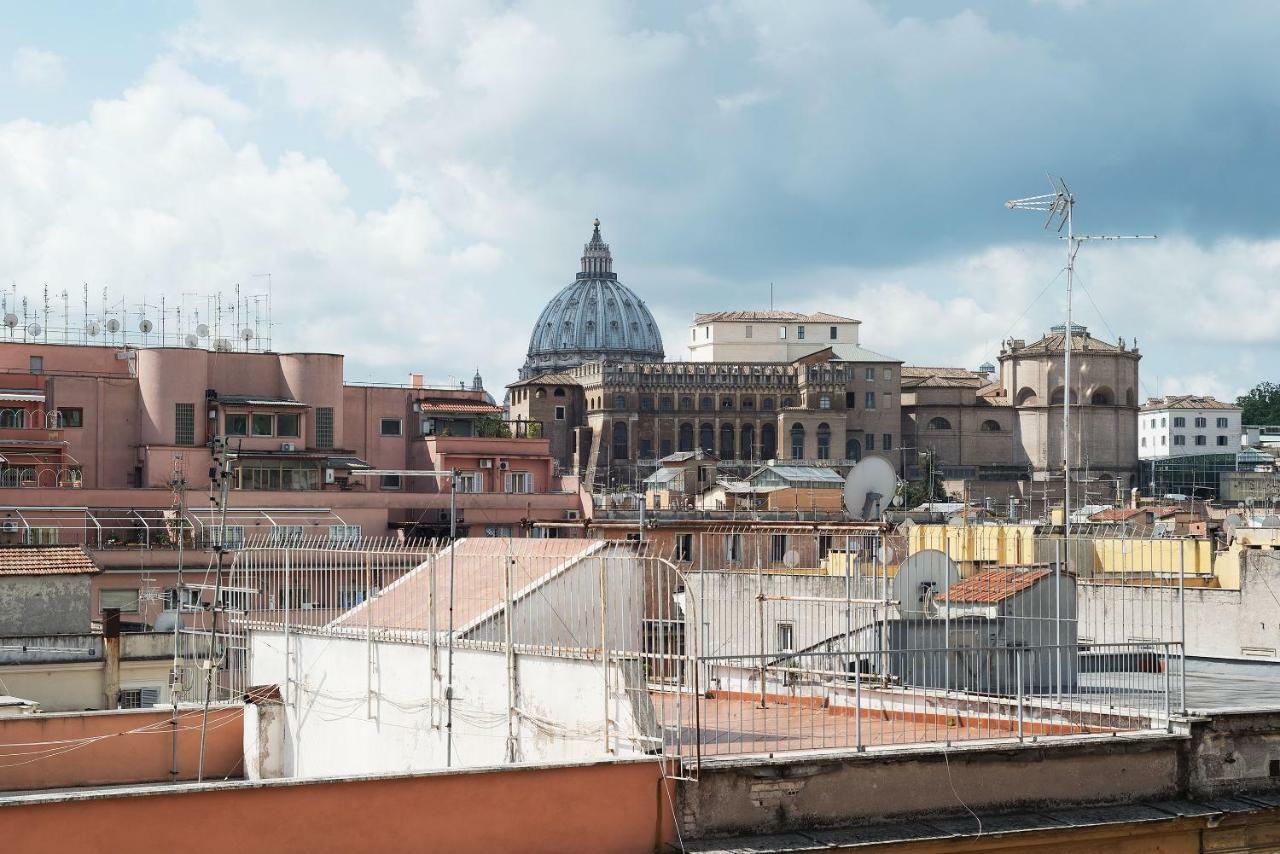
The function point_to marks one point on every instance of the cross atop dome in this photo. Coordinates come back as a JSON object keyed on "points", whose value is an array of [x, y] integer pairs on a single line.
{"points": [[597, 263]]}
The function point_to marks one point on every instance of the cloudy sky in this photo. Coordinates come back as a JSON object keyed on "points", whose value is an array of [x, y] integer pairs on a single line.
{"points": [[418, 178]]}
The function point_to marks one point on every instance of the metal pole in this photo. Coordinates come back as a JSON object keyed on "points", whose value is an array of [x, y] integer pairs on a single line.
{"points": [[453, 548], [760, 620], [1018, 664], [368, 634], [1057, 620], [1066, 395], [288, 604], [1182, 624], [604, 651], [224, 476], [511, 663]]}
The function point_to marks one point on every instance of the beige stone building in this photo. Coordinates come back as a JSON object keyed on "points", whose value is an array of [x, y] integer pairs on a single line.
{"points": [[1002, 431], [770, 336]]}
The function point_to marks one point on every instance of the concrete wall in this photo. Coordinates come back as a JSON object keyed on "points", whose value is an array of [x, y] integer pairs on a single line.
{"points": [[336, 726], [608, 808], [44, 604], [111, 748]]}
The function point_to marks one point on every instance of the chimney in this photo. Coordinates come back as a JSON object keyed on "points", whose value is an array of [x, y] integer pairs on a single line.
{"points": [[111, 656], [415, 380]]}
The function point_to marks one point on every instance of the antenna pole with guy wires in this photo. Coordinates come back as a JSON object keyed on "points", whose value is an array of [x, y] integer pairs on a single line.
{"points": [[1059, 204]]}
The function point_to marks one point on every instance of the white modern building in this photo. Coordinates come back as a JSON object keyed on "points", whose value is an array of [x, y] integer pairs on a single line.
{"points": [[1187, 425], [770, 336]]}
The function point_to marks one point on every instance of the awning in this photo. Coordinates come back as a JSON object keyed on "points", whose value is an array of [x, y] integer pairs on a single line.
{"points": [[352, 463], [23, 396], [254, 400]]}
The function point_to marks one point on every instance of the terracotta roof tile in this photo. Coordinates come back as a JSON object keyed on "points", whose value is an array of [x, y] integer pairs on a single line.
{"points": [[1186, 401], [994, 585], [458, 406], [46, 560]]}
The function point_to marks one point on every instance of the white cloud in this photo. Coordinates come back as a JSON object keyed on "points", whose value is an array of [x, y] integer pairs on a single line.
{"points": [[38, 68], [743, 100]]}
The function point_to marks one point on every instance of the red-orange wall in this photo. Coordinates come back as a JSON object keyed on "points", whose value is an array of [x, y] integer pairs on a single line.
{"points": [[599, 808]]}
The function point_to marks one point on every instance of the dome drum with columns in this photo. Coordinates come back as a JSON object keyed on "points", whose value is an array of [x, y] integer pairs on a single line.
{"points": [[594, 318]]}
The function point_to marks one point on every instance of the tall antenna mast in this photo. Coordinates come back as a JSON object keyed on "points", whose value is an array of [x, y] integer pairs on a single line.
{"points": [[1059, 205]]}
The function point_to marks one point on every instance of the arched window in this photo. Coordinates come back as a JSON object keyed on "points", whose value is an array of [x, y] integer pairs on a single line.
{"points": [[686, 404], [767, 404], [620, 441], [706, 404], [726, 442], [938, 423], [852, 449], [797, 441], [768, 441], [1055, 399], [824, 441], [1026, 397], [726, 402], [990, 426], [557, 393], [620, 401], [747, 442], [540, 393], [686, 437], [1102, 397], [707, 438], [787, 402]]}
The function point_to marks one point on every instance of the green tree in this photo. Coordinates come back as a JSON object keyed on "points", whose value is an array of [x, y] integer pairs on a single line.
{"points": [[1261, 405]]}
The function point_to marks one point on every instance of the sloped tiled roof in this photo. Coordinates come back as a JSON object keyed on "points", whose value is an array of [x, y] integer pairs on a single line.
{"points": [[1055, 342], [917, 376], [458, 406], [555, 378], [994, 585], [1187, 401], [46, 560], [792, 316]]}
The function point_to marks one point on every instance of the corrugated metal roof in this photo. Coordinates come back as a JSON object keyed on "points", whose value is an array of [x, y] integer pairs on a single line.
{"points": [[817, 474], [46, 560], [994, 585], [664, 475]]}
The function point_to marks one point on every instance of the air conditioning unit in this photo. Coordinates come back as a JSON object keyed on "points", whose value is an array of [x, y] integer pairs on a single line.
{"points": [[288, 447], [573, 515], [486, 464], [502, 465], [328, 475], [9, 526]]}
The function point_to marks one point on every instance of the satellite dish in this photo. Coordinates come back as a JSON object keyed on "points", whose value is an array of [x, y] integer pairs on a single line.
{"points": [[34, 330], [246, 334], [92, 328], [192, 341], [11, 320], [113, 326], [145, 326], [919, 578], [202, 330], [223, 344], [791, 559], [869, 488]]}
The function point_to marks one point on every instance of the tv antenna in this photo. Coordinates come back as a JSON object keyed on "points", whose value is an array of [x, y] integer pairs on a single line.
{"points": [[1059, 205]]}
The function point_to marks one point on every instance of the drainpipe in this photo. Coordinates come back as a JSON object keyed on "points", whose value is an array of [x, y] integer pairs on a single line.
{"points": [[111, 656]]}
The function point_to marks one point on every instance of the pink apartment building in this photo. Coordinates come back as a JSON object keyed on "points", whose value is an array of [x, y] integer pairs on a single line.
{"points": [[92, 436]]}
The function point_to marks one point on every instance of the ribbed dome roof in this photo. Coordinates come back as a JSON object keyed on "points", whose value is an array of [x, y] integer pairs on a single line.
{"points": [[592, 318]]}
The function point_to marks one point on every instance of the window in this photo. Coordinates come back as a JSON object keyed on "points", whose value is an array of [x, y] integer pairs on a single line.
{"points": [[389, 481], [286, 535], [644, 448], [1179, 440], [1222, 423], [733, 548], [619, 401], [276, 474], [519, 481], [850, 399], [263, 424], [1222, 440], [939, 423], [886, 442], [834, 331], [138, 698], [797, 441], [184, 424], [1202, 422], [1163, 422], [990, 426], [37, 364], [748, 330], [467, 482], [871, 441], [558, 393], [646, 404], [767, 404], [41, 536], [559, 413], [289, 425], [786, 633], [666, 403], [777, 548], [181, 597], [870, 400], [686, 403], [800, 333], [824, 441], [782, 332], [621, 448], [1179, 421], [391, 427], [234, 538], [324, 427], [824, 402], [236, 424], [869, 374], [726, 402], [344, 535], [74, 416], [706, 332], [684, 547], [1143, 443], [1201, 440], [1162, 440], [664, 448], [748, 404], [126, 599], [706, 404]]}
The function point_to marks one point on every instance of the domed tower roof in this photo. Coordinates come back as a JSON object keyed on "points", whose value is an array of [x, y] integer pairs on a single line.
{"points": [[594, 317]]}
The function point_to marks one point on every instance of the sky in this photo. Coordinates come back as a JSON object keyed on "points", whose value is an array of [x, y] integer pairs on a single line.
{"points": [[418, 178]]}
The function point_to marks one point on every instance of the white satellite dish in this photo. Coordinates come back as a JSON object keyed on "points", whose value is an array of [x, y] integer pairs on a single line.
{"points": [[919, 578], [223, 344], [11, 320], [869, 489], [34, 330], [791, 559], [113, 326], [192, 341], [92, 328], [246, 334], [145, 326], [202, 330]]}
